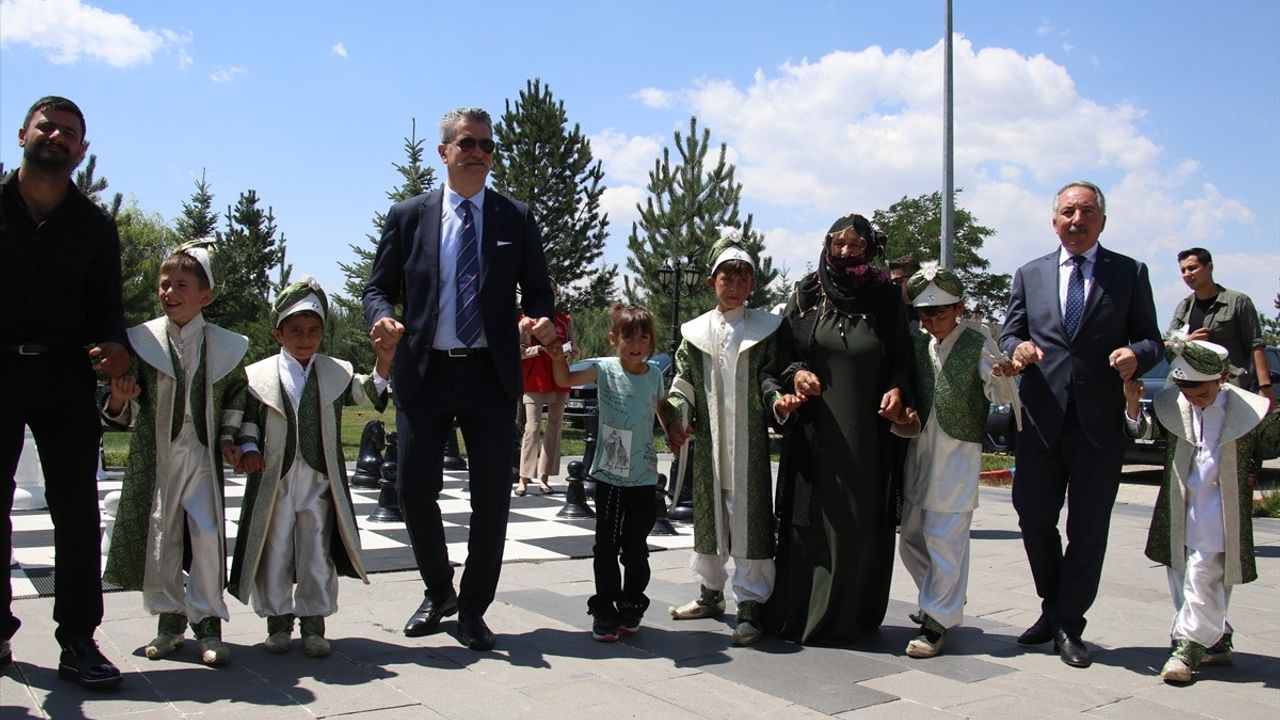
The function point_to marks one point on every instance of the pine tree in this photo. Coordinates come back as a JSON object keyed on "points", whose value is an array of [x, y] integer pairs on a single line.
{"points": [[198, 219], [93, 188], [248, 250], [914, 227], [542, 163], [680, 221], [145, 240], [346, 335]]}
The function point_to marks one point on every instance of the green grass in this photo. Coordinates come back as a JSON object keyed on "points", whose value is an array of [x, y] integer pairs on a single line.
{"points": [[1269, 505]]}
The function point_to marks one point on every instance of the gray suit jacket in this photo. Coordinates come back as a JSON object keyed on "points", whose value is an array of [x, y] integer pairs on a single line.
{"points": [[1119, 311]]}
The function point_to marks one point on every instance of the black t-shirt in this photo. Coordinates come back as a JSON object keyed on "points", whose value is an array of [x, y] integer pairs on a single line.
{"points": [[1195, 317]]}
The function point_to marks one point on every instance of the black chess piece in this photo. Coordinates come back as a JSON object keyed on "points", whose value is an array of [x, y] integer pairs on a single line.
{"points": [[369, 463], [682, 507], [589, 454], [575, 497], [453, 459], [388, 496], [661, 525]]}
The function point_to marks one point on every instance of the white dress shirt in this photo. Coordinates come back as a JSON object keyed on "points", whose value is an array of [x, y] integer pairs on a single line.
{"points": [[188, 342], [450, 240], [1206, 531]]}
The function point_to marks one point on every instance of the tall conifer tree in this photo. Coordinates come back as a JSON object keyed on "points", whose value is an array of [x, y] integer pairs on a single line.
{"points": [[541, 162]]}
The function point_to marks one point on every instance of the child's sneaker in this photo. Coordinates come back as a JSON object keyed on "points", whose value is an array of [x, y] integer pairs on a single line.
{"points": [[169, 636], [710, 603], [209, 635], [604, 629], [628, 624], [313, 642], [279, 634]]}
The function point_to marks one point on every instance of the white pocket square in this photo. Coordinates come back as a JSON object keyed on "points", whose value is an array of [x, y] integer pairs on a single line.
{"points": [[505, 243]]}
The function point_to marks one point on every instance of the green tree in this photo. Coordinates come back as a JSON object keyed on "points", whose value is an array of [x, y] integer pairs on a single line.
{"points": [[248, 250], [1271, 325], [914, 226], [198, 219], [544, 164], [93, 187], [680, 220], [347, 336], [145, 241]]}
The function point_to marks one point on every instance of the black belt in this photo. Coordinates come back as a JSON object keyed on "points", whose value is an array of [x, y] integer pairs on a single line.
{"points": [[462, 352], [27, 348]]}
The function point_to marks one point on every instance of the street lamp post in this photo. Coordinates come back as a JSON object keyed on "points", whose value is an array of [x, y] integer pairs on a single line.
{"points": [[675, 276]]}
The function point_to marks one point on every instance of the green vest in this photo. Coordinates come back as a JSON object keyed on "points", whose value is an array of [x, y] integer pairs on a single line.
{"points": [[958, 392], [197, 397], [306, 437]]}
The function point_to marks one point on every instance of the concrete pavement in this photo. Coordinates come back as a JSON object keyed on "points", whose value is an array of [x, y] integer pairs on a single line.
{"points": [[547, 666]]}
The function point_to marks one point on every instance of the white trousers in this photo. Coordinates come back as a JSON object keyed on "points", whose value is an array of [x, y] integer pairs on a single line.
{"points": [[297, 548], [1200, 599], [753, 580], [935, 549], [191, 504]]}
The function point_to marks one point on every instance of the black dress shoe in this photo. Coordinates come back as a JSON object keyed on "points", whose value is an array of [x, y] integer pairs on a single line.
{"points": [[1039, 633], [473, 633], [83, 662], [1071, 650], [427, 617]]}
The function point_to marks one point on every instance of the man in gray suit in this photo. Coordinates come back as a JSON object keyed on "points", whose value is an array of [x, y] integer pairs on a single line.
{"points": [[1081, 320]]}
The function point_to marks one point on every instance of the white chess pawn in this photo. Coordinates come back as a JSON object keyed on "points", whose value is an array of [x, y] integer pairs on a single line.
{"points": [[29, 477]]}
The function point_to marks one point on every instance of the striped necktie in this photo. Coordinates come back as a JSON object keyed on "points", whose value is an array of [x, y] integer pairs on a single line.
{"points": [[467, 302], [1075, 297]]}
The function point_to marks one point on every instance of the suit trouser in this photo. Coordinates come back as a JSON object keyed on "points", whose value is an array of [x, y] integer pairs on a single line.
{"points": [[468, 389], [1066, 581], [53, 394], [535, 463]]}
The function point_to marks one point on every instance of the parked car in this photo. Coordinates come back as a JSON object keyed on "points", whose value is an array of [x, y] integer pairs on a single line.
{"points": [[582, 405]]}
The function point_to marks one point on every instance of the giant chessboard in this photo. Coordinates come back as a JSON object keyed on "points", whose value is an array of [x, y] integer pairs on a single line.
{"points": [[533, 532]]}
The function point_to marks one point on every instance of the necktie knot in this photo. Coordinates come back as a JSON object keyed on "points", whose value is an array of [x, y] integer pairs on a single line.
{"points": [[1077, 260]]}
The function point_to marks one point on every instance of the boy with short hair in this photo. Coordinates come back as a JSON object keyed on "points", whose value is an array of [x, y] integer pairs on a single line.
{"points": [[181, 396], [1202, 528], [721, 369], [959, 370], [297, 496]]}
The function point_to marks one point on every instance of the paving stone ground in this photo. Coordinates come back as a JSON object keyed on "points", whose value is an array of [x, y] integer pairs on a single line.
{"points": [[547, 666]]}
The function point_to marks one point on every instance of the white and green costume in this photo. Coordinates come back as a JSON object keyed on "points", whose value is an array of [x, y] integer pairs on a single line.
{"points": [[720, 370], [293, 508], [172, 499]]}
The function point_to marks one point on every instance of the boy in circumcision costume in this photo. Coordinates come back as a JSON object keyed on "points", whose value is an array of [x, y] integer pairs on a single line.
{"points": [[297, 498], [181, 398], [722, 367], [1202, 525], [959, 371]]}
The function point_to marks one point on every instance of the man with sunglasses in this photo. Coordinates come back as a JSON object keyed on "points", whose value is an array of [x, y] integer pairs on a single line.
{"points": [[453, 259], [1081, 321]]}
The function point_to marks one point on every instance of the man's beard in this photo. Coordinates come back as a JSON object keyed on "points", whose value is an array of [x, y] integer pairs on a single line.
{"points": [[48, 158]]}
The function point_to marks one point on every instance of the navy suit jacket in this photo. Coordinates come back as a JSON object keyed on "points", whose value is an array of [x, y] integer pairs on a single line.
{"points": [[407, 270], [1119, 311]]}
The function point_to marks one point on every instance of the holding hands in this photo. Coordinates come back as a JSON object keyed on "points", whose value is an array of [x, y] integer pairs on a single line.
{"points": [[386, 333], [678, 434], [110, 358], [123, 389], [806, 384], [1124, 361], [1025, 355]]}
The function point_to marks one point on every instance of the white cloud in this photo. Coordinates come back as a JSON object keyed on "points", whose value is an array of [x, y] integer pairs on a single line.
{"points": [[626, 159], [860, 130], [339, 50], [1045, 29], [68, 31], [653, 97], [184, 60], [226, 75], [1067, 47]]}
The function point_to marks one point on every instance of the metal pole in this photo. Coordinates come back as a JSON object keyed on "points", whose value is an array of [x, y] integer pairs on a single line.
{"points": [[675, 307], [948, 159]]}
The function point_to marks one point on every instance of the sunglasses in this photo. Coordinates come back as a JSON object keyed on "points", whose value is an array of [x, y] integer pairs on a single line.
{"points": [[467, 144], [933, 310]]}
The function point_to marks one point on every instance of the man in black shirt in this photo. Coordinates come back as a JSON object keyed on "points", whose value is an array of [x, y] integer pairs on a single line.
{"points": [[61, 319]]}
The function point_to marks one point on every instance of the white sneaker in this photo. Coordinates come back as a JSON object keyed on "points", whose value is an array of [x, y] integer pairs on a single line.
{"points": [[1176, 670]]}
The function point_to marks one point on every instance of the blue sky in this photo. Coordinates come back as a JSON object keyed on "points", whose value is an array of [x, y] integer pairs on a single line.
{"points": [[1173, 107]]}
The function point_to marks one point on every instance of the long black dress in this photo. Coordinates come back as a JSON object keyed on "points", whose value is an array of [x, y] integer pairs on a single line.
{"points": [[836, 537]]}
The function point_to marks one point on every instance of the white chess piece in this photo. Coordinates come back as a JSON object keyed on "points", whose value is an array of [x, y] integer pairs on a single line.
{"points": [[29, 477]]}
